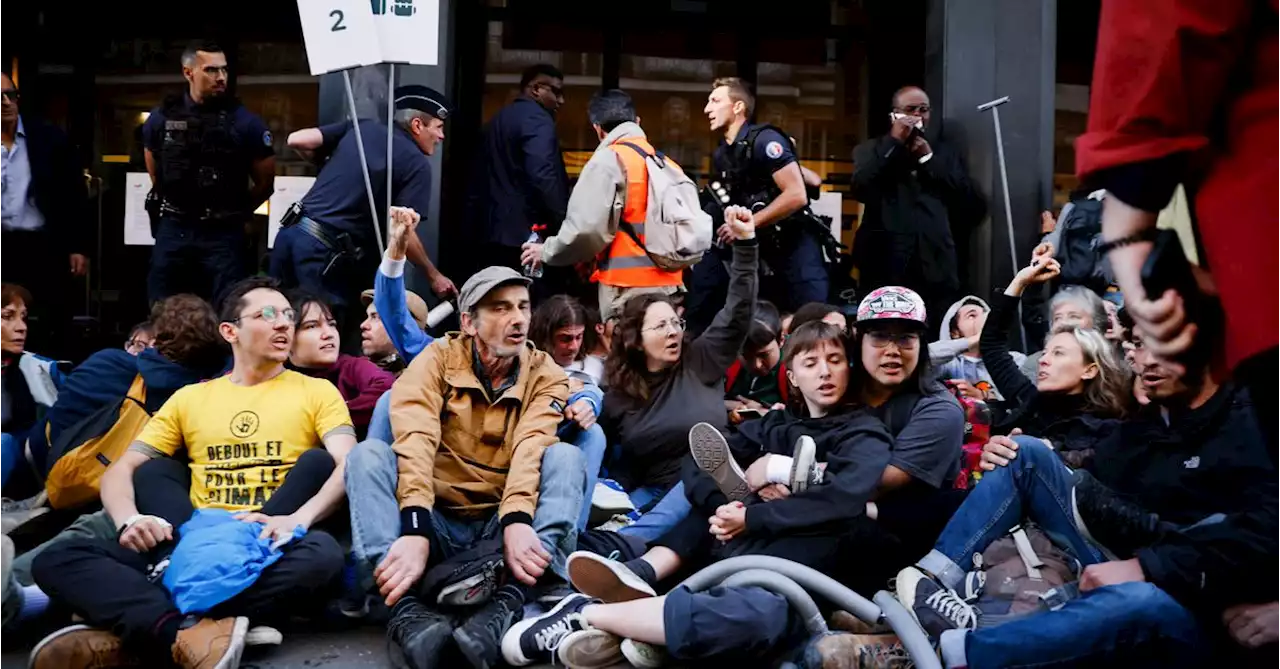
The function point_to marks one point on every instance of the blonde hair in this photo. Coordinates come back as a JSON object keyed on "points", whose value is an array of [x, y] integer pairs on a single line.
{"points": [[1110, 393]]}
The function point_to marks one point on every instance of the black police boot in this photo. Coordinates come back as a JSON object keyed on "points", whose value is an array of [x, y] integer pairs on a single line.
{"points": [[480, 637], [1106, 520], [416, 634]]}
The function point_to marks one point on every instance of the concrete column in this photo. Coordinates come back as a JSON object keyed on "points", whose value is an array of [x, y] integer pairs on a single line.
{"points": [[976, 51]]}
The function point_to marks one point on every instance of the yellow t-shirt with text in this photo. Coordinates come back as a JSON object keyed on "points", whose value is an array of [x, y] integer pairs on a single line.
{"points": [[243, 440]]}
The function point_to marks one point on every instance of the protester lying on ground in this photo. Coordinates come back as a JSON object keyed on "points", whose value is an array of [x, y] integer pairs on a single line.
{"points": [[141, 337], [245, 442], [1173, 519], [956, 358], [797, 512], [29, 382], [557, 328], [1081, 389], [476, 476], [817, 311], [660, 385], [402, 314], [757, 383], [315, 353]]}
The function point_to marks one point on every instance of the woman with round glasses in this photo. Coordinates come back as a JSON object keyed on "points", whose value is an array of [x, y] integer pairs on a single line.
{"points": [[660, 385]]}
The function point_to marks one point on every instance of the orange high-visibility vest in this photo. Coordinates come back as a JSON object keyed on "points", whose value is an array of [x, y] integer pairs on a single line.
{"points": [[624, 263]]}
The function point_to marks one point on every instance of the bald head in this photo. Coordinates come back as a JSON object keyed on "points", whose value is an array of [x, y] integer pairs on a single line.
{"points": [[9, 110], [912, 101]]}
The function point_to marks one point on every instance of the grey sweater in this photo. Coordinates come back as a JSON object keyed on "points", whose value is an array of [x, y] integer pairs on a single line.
{"points": [[653, 436]]}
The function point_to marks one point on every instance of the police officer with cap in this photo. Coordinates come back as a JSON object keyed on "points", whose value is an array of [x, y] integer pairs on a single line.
{"points": [[202, 150], [327, 242], [756, 167]]}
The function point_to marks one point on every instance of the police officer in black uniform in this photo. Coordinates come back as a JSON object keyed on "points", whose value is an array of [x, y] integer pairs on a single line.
{"points": [[756, 167], [202, 150], [327, 243]]}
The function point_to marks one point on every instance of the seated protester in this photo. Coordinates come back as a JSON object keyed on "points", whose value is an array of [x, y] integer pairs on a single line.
{"points": [[597, 340], [787, 518], [956, 358], [315, 353], [394, 329], [1173, 518], [1081, 390], [29, 382], [141, 338], [757, 383], [476, 463], [244, 442], [557, 328], [1071, 305], [817, 311], [660, 386]]}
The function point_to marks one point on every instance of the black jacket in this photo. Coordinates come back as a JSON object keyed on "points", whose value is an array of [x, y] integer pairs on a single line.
{"points": [[519, 178], [855, 445], [909, 212], [1202, 462], [1054, 417], [58, 187]]}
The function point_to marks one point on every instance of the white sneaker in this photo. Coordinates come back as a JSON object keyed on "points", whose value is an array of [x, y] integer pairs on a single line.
{"points": [[608, 580], [590, 649], [611, 500], [263, 636], [804, 471], [644, 655]]}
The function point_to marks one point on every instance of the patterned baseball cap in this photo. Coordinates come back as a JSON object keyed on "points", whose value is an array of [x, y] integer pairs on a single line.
{"points": [[892, 303]]}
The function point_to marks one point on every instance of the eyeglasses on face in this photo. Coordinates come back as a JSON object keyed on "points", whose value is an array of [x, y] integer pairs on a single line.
{"points": [[906, 341], [270, 315], [675, 324]]}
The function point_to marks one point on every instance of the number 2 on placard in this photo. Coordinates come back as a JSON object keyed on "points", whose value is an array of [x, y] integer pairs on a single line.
{"points": [[336, 15]]}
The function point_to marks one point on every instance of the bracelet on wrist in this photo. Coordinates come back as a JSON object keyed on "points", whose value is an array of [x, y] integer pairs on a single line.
{"points": [[1148, 235]]}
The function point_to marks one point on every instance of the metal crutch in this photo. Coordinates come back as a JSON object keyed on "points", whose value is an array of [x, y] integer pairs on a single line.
{"points": [[994, 106]]}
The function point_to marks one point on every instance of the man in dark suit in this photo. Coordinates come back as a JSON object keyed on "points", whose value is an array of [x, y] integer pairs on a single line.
{"points": [[45, 225], [519, 180]]}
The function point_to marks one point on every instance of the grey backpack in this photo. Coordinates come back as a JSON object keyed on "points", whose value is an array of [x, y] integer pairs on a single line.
{"points": [[676, 229]]}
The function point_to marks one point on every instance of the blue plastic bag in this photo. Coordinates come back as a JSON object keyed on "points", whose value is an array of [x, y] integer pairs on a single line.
{"points": [[217, 558]]}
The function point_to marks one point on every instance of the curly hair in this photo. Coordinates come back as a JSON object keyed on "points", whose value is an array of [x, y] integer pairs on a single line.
{"points": [[186, 332], [625, 367], [1110, 393]]}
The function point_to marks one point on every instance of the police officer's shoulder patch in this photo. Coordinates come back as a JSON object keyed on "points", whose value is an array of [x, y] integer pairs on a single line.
{"points": [[773, 149], [266, 138]]}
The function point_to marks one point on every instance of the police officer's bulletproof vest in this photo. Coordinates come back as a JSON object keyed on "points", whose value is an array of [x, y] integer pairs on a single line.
{"points": [[747, 186], [200, 169]]}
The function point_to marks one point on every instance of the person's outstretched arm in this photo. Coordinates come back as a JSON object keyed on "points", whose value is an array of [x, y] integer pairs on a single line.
{"points": [[712, 353], [389, 291]]}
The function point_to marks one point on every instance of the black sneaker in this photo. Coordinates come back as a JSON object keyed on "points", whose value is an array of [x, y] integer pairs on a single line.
{"points": [[416, 634], [536, 639], [472, 584], [712, 454], [936, 607], [1116, 526], [480, 637]]}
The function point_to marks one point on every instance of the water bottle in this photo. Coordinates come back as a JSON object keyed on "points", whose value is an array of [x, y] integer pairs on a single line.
{"points": [[533, 271]]}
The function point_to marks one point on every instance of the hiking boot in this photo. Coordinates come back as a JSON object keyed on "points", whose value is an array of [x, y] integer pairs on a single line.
{"points": [[537, 639], [211, 644], [480, 637], [936, 607], [609, 497], [16, 513], [804, 466], [81, 647], [711, 452], [590, 649], [837, 650], [644, 655], [471, 584], [1111, 523], [608, 580], [416, 634]]}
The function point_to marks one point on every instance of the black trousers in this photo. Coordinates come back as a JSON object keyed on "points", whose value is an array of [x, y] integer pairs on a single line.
{"points": [[106, 583]]}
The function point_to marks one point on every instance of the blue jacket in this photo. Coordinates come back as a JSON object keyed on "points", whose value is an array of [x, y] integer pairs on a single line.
{"points": [[518, 179], [393, 309]]}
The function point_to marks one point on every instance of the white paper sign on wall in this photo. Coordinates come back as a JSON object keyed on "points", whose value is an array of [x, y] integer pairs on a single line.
{"points": [[339, 34], [408, 30]]}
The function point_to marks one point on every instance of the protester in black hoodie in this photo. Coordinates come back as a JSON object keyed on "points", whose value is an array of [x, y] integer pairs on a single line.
{"points": [[790, 515], [1082, 388]]}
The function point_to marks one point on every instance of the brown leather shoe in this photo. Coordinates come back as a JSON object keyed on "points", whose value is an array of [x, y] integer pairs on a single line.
{"points": [[82, 647], [211, 644]]}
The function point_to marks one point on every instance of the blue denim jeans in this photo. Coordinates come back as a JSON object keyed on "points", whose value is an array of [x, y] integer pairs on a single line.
{"points": [[371, 477], [593, 445], [380, 421], [672, 508]]}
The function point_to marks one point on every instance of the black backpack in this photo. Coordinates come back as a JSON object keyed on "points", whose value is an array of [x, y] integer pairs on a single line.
{"points": [[1080, 233]]}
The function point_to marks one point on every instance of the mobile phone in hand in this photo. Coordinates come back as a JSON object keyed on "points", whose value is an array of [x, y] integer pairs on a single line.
{"points": [[749, 412], [1167, 268]]}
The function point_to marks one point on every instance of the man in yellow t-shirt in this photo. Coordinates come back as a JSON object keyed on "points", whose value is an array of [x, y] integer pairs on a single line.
{"points": [[262, 440]]}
